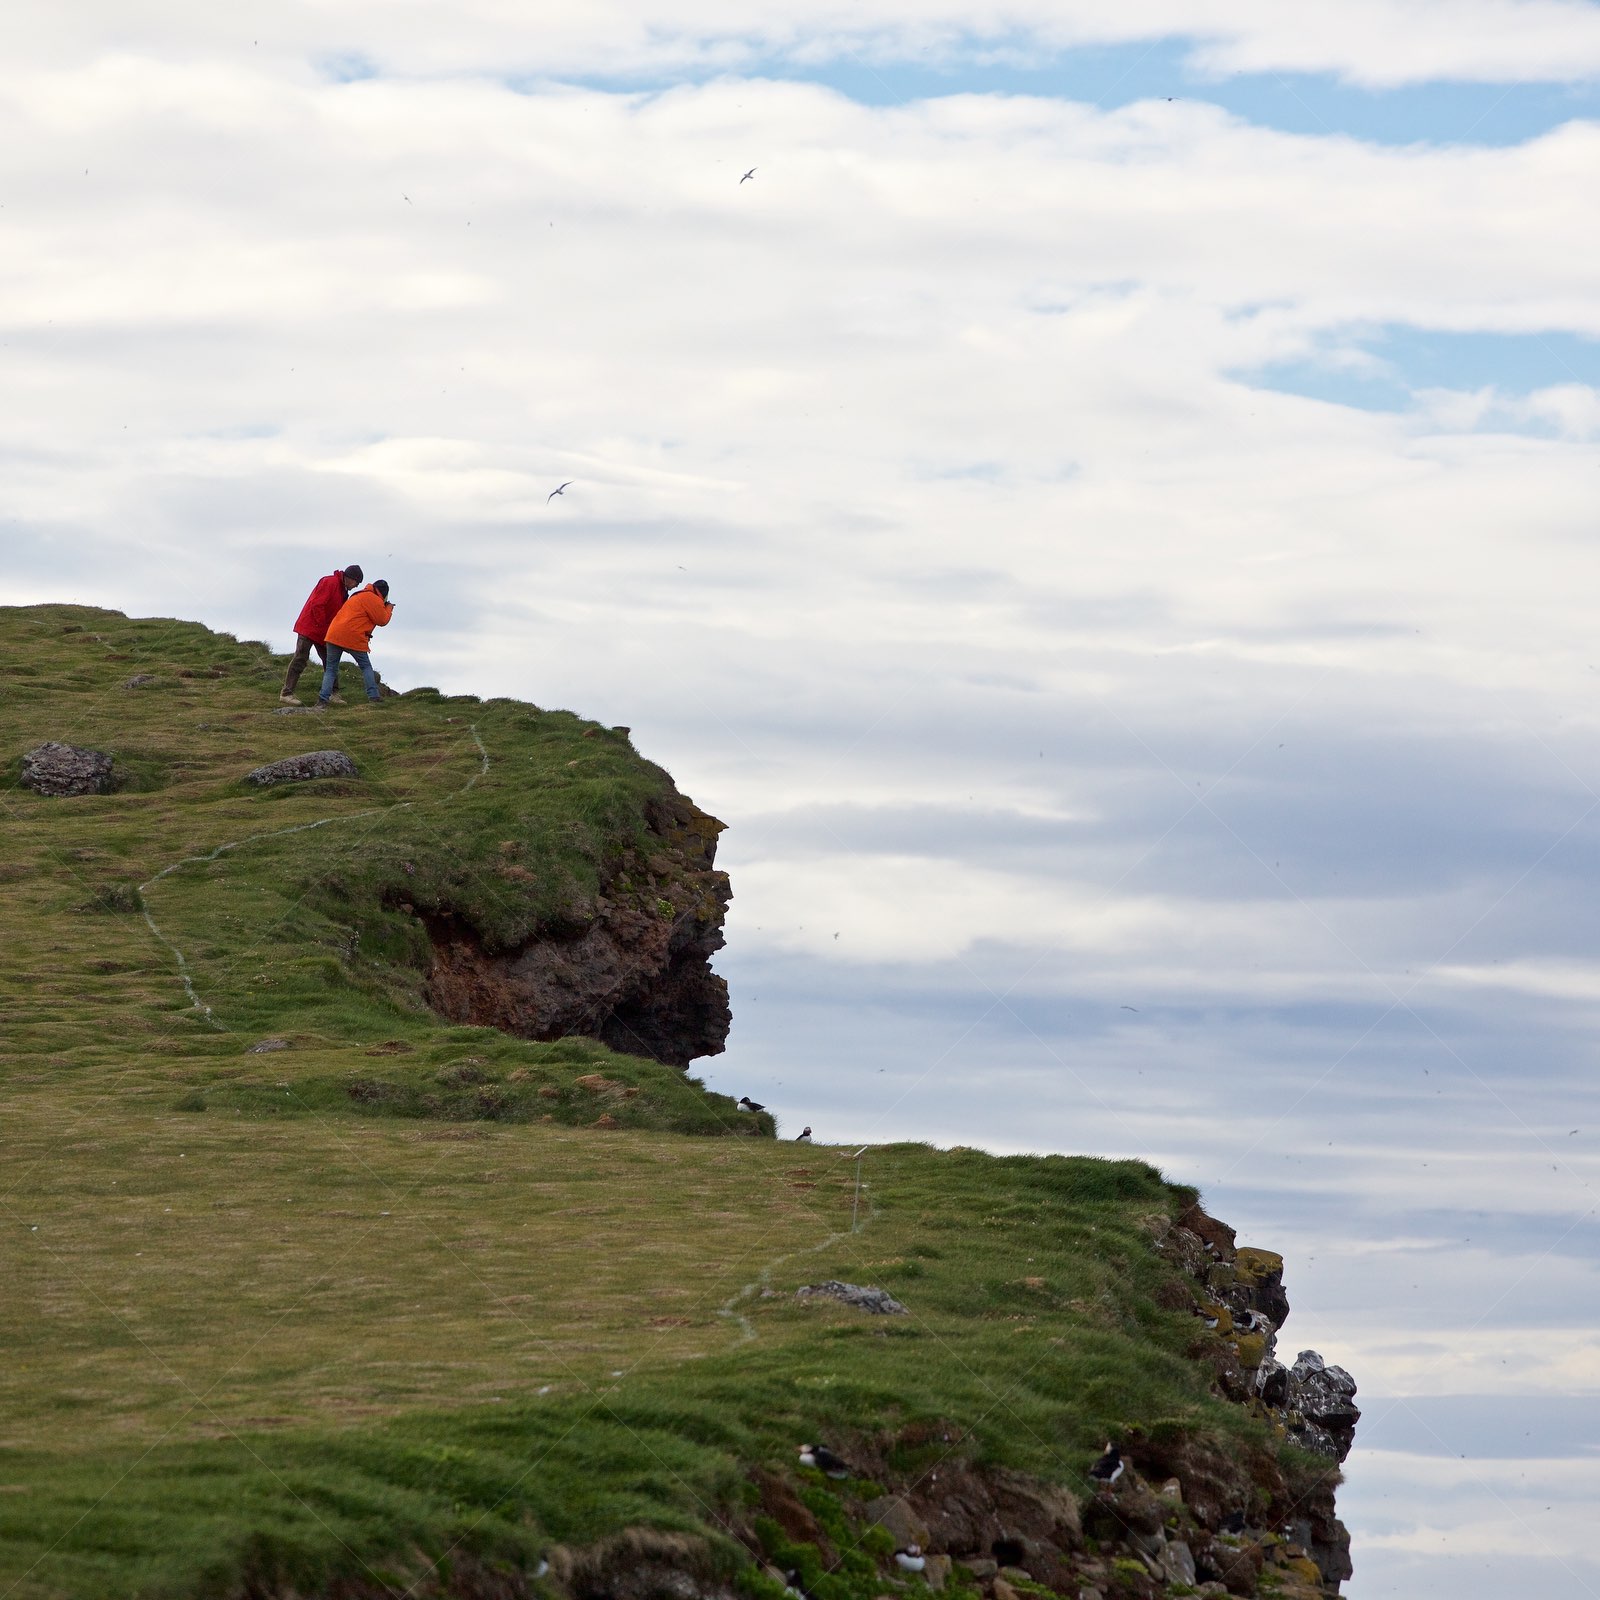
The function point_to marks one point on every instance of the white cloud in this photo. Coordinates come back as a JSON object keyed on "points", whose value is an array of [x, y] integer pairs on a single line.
{"points": [[1558, 980], [1376, 43]]}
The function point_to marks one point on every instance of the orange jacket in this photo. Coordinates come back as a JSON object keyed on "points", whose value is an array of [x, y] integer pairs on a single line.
{"points": [[358, 616]]}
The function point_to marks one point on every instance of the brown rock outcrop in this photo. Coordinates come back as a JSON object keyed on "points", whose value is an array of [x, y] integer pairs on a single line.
{"points": [[634, 971]]}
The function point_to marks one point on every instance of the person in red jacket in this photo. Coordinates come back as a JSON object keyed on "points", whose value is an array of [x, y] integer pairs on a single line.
{"points": [[351, 631], [311, 626]]}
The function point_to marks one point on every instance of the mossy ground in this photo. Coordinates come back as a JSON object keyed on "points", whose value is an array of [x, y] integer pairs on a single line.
{"points": [[354, 1307]]}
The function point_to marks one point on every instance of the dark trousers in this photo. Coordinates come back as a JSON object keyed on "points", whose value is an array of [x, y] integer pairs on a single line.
{"points": [[302, 655]]}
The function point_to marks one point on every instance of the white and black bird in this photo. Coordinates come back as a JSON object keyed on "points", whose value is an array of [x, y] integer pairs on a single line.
{"points": [[910, 1559], [1109, 1467], [554, 492], [748, 176], [824, 1460], [747, 1104], [804, 1135], [1210, 1318], [1233, 1522]]}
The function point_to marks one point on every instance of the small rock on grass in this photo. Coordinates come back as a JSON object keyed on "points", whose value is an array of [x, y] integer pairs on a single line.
{"points": [[879, 1302], [61, 771], [302, 768], [264, 1047]]}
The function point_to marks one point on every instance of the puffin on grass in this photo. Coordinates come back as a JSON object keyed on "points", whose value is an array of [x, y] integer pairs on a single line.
{"points": [[910, 1558], [747, 1104], [1109, 1467], [804, 1135], [824, 1460]]}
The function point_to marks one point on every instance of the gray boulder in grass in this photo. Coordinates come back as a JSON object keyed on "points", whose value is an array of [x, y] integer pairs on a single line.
{"points": [[300, 769], [60, 770], [862, 1296]]}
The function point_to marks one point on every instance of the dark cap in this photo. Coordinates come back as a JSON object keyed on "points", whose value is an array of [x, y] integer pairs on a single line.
{"points": [[382, 586], [354, 573]]}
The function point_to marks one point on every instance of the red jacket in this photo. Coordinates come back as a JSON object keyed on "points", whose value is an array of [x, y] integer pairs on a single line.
{"points": [[321, 608], [358, 616]]}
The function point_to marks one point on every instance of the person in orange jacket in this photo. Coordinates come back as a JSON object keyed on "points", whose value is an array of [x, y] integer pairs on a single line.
{"points": [[351, 632], [311, 626]]}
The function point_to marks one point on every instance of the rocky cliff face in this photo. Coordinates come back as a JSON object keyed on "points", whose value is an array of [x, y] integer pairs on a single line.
{"points": [[1241, 1306], [632, 969], [1188, 1514]]}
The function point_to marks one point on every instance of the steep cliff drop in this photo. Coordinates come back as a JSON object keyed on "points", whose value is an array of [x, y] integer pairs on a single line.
{"points": [[632, 970], [1242, 1304]]}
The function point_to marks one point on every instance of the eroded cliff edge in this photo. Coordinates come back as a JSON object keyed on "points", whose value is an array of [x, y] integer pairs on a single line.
{"points": [[630, 966]]}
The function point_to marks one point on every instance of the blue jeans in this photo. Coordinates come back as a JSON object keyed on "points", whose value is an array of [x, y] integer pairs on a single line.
{"points": [[330, 673]]}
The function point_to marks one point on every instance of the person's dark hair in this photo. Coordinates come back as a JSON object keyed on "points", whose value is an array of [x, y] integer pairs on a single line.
{"points": [[353, 573], [382, 586]]}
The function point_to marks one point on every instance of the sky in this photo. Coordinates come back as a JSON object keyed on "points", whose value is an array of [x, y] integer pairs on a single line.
{"points": [[1105, 513]]}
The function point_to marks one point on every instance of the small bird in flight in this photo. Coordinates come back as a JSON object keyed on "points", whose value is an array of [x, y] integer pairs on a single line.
{"points": [[554, 492], [748, 176]]}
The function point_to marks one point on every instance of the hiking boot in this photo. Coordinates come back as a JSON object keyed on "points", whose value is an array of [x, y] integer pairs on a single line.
{"points": [[334, 699], [289, 699]]}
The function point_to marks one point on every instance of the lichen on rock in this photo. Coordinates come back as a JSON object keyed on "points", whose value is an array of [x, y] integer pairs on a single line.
{"points": [[61, 771], [303, 768]]}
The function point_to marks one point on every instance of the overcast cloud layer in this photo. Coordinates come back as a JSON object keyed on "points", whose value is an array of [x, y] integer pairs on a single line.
{"points": [[1127, 747]]}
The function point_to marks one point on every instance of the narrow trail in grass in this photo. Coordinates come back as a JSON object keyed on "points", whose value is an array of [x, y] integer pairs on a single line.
{"points": [[763, 1280], [195, 1001]]}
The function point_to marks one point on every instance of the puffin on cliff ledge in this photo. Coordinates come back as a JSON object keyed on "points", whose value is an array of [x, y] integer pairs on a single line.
{"points": [[824, 1460], [1109, 1467]]}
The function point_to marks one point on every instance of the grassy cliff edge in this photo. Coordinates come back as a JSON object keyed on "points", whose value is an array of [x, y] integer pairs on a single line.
{"points": [[312, 1291]]}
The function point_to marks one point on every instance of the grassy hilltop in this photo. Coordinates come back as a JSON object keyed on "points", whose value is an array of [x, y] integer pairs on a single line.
{"points": [[406, 1307]]}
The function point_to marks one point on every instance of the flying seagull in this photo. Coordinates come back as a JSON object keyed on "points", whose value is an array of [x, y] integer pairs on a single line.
{"points": [[804, 1135], [1109, 1467], [748, 176], [824, 1460], [747, 1104], [554, 492]]}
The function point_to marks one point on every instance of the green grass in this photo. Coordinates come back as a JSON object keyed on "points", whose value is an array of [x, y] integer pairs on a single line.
{"points": [[357, 1308]]}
